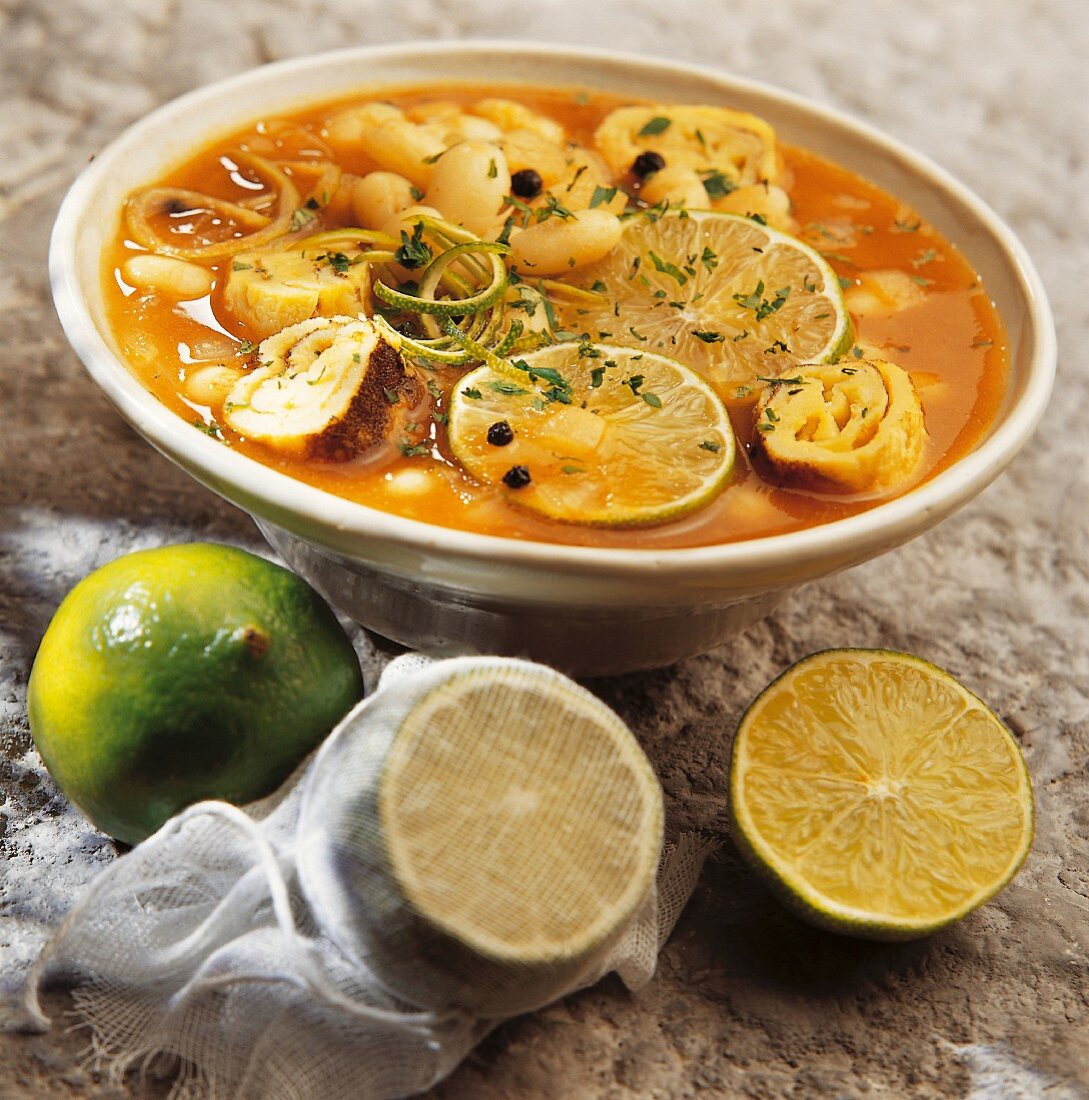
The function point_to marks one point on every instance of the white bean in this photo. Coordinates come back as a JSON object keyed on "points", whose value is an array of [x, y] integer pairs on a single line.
{"points": [[559, 244], [510, 115], [178, 278], [209, 385], [379, 196], [678, 186], [469, 184], [471, 128]]}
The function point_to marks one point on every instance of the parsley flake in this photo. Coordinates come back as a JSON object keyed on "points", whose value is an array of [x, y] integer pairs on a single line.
{"points": [[655, 126]]}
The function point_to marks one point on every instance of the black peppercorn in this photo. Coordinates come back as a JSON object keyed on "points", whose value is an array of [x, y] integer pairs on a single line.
{"points": [[517, 477], [500, 434], [526, 184], [646, 164]]}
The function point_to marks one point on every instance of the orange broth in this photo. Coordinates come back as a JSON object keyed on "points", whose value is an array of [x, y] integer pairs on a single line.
{"points": [[953, 342]]}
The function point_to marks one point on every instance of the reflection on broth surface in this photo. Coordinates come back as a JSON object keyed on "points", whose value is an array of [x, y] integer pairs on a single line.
{"points": [[225, 278]]}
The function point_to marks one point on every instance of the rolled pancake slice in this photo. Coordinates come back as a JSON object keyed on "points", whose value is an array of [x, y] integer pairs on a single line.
{"points": [[850, 427], [738, 146], [326, 388], [268, 291]]}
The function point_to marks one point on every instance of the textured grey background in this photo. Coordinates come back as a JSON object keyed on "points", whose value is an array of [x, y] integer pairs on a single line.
{"points": [[748, 1002]]}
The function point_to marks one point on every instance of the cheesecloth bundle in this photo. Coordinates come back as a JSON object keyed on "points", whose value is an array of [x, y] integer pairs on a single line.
{"points": [[309, 947]]}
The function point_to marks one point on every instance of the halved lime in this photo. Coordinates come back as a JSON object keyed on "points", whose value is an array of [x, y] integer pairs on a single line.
{"points": [[594, 434], [723, 294], [880, 797], [481, 772]]}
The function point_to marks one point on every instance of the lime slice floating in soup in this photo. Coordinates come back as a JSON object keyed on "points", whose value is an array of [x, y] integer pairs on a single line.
{"points": [[880, 797], [594, 434], [723, 294]]}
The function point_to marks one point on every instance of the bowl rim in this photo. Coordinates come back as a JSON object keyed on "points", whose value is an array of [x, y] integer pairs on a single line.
{"points": [[318, 511]]}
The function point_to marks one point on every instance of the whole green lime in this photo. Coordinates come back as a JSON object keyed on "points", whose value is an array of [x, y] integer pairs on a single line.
{"points": [[184, 673]]}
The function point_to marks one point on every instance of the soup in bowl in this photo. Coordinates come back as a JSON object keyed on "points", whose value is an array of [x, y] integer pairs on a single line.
{"points": [[590, 364]]}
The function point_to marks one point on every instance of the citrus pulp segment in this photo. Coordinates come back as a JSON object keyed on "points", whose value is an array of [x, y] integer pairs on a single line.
{"points": [[879, 796], [605, 434], [724, 294]]}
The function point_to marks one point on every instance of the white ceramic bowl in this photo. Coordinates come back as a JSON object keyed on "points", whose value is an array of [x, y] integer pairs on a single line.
{"points": [[585, 610]]}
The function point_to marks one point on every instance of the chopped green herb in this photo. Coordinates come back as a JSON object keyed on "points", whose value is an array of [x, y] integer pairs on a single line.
{"points": [[602, 195], [472, 392], [508, 389], [340, 263], [652, 399], [572, 470], [899, 226], [778, 380], [668, 268], [552, 208], [716, 184], [707, 336], [413, 450], [761, 306], [711, 445], [392, 396], [926, 257], [247, 347], [596, 375], [211, 428], [416, 193], [302, 217], [655, 126], [493, 171], [414, 251], [238, 265]]}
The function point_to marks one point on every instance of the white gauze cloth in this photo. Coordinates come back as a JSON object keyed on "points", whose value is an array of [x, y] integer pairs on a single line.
{"points": [[221, 941]]}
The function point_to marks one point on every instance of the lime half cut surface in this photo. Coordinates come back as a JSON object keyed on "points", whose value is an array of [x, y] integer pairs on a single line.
{"points": [[723, 294], [594, 434], [880, 797]]}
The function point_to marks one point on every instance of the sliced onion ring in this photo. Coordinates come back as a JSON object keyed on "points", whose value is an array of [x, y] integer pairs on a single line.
{"points": [[140, 208]]}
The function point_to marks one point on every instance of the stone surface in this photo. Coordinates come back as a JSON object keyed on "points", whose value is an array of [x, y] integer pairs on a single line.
{"points": [[747, 1002]]}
